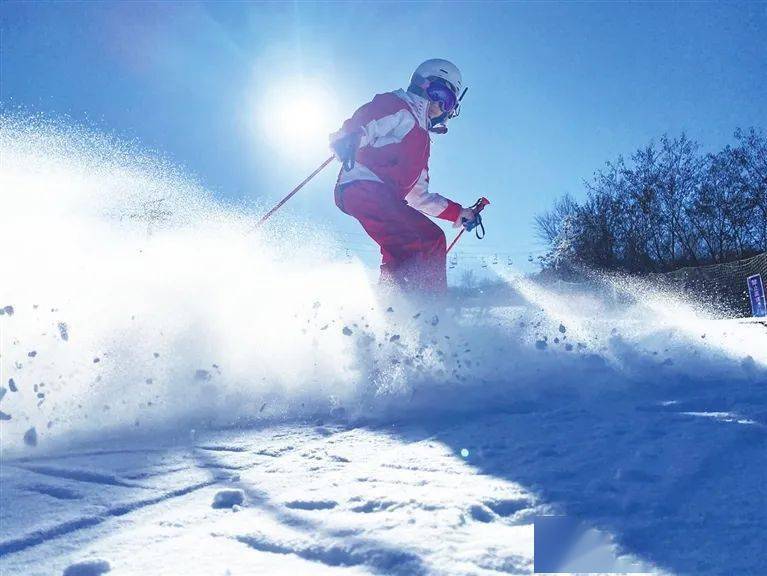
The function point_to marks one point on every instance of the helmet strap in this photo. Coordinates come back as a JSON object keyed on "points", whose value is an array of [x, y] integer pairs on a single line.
{"points": [[438, 125], [438, 129]]}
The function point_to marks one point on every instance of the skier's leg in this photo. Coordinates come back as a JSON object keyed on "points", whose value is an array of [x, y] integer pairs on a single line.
{"points": [[412, 246], [415, 248]]}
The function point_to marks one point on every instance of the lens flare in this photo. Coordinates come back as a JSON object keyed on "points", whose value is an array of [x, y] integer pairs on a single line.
{"points": [[296, 118]]}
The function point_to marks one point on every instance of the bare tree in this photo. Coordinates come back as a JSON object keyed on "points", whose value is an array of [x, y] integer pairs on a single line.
{"points": [[751, 153], [548, 224], [667, 206]]}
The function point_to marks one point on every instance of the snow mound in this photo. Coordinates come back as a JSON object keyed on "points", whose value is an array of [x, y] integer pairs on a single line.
{"points": [[228, 498], [88, 568]]}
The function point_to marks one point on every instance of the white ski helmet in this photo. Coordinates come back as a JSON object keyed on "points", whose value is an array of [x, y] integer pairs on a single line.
{"points": [[436, 67]]}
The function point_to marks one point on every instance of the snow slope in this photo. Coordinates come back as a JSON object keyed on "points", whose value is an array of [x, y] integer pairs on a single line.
{"points": [[161, 353]]}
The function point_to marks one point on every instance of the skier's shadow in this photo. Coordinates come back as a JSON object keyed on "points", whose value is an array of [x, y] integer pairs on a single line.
{"points": [[673, 482]]}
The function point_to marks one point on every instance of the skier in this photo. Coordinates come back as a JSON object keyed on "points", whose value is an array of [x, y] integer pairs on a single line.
{"points": [[384, 178]]}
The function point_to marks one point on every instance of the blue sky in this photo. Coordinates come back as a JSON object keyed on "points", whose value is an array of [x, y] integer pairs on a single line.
{"points": [[556, 89]]}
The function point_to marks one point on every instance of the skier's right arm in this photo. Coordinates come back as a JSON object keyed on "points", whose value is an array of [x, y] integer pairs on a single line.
{"points": [[372, 122]]}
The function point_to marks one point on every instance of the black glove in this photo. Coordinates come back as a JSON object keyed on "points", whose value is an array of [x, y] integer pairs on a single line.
{"points": [[345, 149], [465, 217]]}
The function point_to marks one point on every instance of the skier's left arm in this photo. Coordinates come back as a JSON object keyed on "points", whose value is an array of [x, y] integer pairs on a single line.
{"points": [[431, 203]]}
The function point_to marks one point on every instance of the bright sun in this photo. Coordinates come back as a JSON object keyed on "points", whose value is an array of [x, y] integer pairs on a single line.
{"points": [[297, 118]]}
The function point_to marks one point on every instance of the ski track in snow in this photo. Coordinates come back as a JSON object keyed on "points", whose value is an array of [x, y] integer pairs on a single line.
{"points": [[364, 434], [304, 505]]}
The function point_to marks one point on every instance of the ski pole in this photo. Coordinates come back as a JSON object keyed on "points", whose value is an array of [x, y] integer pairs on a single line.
{"points": [[266, 216], [478, 206], [455, 240]]}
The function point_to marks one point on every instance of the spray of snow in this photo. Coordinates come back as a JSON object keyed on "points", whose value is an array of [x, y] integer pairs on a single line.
{"points": [[132, 299]]}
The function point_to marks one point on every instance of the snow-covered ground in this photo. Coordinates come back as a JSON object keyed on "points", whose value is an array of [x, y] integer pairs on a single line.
{"points": [[675, 473], [201, 400]]}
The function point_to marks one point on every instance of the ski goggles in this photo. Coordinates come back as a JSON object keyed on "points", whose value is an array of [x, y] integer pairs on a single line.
{"points": [[441, 91]]}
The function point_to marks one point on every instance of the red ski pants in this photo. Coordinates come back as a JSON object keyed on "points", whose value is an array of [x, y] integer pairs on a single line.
{"points": [[413, 248]]}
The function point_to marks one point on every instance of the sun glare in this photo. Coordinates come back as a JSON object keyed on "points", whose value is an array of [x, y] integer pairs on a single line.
{"points": [[297, 118]]}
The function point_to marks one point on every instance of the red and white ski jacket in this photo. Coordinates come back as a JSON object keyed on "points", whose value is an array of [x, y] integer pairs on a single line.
{"points": [[394, 150]]}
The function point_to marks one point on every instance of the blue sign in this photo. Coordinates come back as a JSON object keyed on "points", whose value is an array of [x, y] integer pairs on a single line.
{"points": [[756, 292]]}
